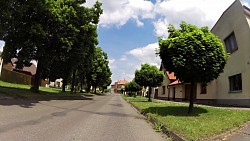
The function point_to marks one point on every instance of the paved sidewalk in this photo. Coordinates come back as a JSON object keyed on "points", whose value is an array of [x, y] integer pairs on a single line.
{"points": [[241, 135]]}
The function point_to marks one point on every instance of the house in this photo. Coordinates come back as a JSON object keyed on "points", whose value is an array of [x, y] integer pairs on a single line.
{"points": [[119, 86], [173, 89], [233, 28], [57, 83], [232, 87], [10, 73], [31, 69]]}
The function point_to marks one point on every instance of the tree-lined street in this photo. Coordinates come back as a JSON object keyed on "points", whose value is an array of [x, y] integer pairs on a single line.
{"points": [[106, 118]]}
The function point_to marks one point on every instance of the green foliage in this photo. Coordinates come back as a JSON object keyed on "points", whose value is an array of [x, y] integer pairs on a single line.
{"points": [[100, 71], [193, 54], [207, 122], [132, 87], [20, 90], [149, 76], [58, 34]]}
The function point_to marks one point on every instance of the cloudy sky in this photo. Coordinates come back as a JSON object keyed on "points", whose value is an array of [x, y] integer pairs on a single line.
{"points": [[129, 29]]}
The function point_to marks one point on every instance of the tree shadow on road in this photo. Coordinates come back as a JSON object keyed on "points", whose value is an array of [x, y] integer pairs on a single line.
{"points": [[29, 103], [23, 97]]}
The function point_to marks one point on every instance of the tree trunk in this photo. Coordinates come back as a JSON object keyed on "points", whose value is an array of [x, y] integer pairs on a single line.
{"points": [[95, 89], [149, 95], [36, 81], [64, 84], [88, 88], [73, 81], [81, 91], [191, 100]]}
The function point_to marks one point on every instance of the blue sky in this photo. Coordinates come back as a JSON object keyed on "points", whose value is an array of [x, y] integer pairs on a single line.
{"points": [[129, 29]]}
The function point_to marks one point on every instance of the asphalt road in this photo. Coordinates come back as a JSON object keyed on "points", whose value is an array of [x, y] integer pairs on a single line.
{"points": [[101, 118]]}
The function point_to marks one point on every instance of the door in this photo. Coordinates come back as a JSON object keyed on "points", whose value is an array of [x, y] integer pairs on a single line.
{"points": [[156, 93]]}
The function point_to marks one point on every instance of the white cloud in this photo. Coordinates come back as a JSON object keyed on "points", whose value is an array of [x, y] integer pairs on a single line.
{"points": [[198, 12], [138, 22], [132, 60], [119, 12], [161, 27], [245, 3], [112, 64], [1, 45], [123, 58], [146, 54], [127, 76]]}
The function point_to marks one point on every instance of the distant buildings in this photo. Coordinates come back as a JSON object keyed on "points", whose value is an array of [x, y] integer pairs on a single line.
{"points": [[119, 86]]}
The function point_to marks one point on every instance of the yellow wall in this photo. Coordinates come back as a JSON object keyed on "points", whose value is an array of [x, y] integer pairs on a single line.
{"points": [[160, 90], [211, 91], [178, 91], [234, 20]]}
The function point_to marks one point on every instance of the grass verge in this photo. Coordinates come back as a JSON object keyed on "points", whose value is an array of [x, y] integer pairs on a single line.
{"points": [[20, 90], [203, 124]]}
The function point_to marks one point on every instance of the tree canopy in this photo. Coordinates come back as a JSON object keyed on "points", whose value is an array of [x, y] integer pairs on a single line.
{"points": [[193, 54], [149, 76], [100, 73], [132, 87], [49, 31]]}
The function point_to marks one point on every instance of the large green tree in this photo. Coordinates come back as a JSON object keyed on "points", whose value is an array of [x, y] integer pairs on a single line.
{"points": [[193, 54], [149, 76], [100, 74], [33, 30], [48, 30]]}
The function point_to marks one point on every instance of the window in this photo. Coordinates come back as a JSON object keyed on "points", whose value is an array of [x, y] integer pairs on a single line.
{"points": [[203, 88], [163, 89], [231, 44], [235, 83]]}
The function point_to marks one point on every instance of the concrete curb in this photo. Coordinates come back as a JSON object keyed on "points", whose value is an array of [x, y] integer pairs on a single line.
{"points": [[175, 137], [228, 134], [164, 129]]}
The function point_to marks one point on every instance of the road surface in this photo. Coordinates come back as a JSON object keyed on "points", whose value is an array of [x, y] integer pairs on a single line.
{"points": [[101, 118]]}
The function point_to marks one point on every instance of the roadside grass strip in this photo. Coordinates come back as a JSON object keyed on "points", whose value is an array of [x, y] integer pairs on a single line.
{"points": [[20, 90], [204, 123]]}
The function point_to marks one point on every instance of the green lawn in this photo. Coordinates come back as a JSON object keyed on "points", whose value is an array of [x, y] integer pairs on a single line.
{"points": [[205, 123], [19, 90]]}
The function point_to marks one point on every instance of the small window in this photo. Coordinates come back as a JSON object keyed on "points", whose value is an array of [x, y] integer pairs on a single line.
{"points": [[235, 83], [163, 89], [231, 44], [203, 88]]}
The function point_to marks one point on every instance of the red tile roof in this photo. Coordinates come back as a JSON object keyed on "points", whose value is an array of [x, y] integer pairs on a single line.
{"points": [[177, 82], [171, 76], [122, 82]]}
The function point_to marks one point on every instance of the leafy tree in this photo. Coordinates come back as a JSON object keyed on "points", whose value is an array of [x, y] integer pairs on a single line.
{"points": [[34, 31], [132, 87], [77, 62], [194, 54], [100, 74], [48, 30], [149, 76]]}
